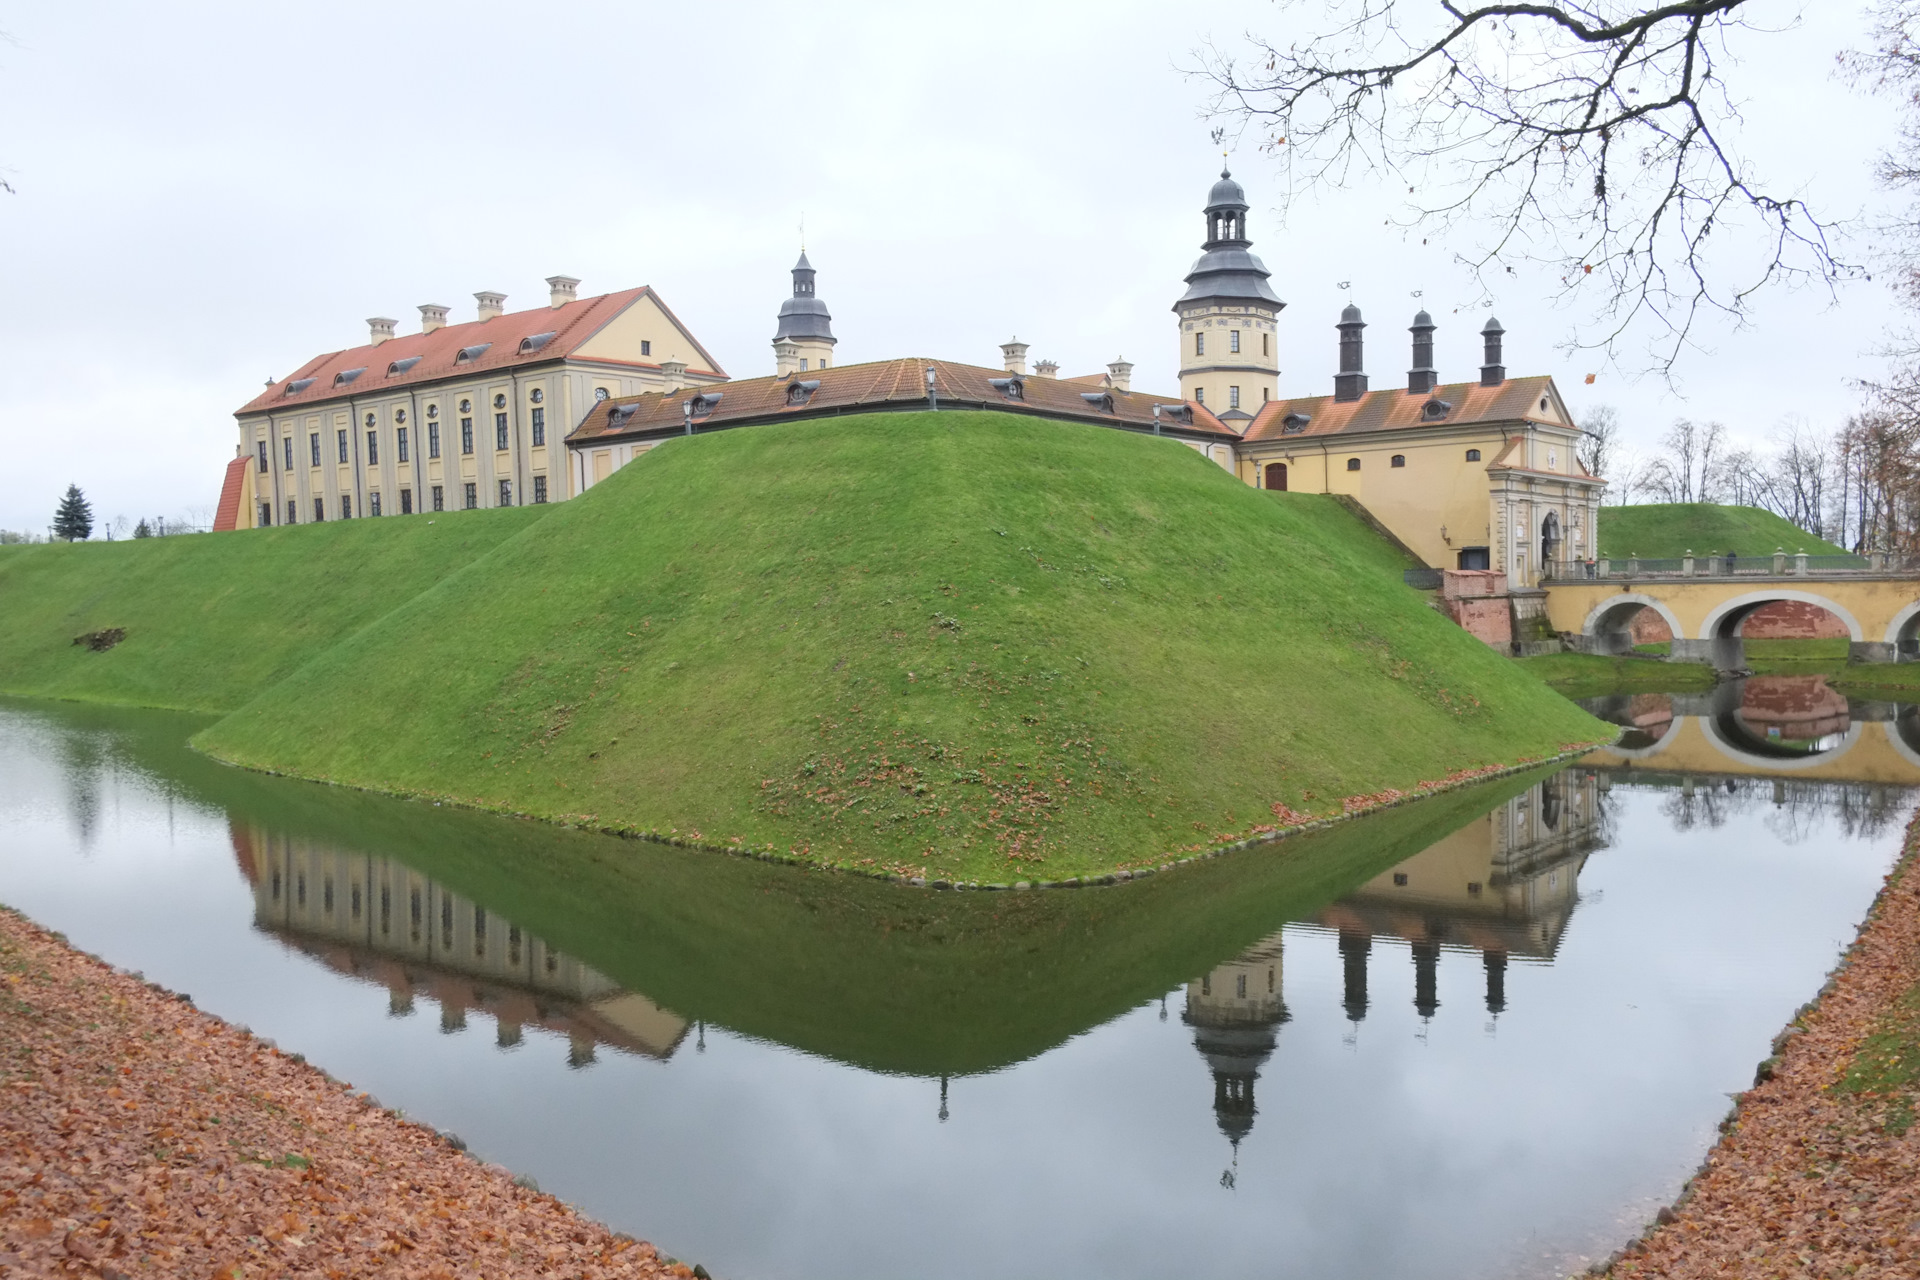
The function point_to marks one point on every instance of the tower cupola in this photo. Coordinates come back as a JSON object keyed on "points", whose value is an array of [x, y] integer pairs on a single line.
{"points": [[1229, 348], [804, 340]]}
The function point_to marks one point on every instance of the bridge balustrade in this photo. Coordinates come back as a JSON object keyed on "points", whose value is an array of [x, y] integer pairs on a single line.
{"points": [[1738, 566]]}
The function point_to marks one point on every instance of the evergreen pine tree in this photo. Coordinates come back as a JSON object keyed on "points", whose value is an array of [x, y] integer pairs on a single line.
{"points": [[141, 531], [74, 520]]}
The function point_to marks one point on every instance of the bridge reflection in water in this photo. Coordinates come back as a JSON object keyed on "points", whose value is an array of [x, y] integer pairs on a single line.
{"points": [[375, 919]]}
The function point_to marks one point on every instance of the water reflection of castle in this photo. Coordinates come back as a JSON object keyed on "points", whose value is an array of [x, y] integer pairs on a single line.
{"points": [[376, 919], [1503, 885]]}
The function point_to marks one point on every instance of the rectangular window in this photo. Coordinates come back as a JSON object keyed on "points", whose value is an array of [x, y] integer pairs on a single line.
{"points": [[373, 503], [1233, 341], [1199, 395], [400, 444], [343, 444], [263, 455], [803, 364], [506, 493], [539, 489], [313, 447], [319, 510], [286, 451], [373, 448], [293, 511], [1199, 344], [439, 498], [499, 430], [1233, 397], [433, 439], [539, 426], [1263, 345], [1266, 394], [346, 506], [466, 435], [646, 348], [406, 502], [473, 495]]}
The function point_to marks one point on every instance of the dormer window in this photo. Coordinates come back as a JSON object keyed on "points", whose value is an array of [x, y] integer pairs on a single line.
{"points": [[298, 385], [1180, 415], [1295, 422], [399, 367], [529, 345], [345, 376], [618, 415], [1011, 388], [1435, 409], [704, 403], [1101, 400], [469, 354], [801, 392]]}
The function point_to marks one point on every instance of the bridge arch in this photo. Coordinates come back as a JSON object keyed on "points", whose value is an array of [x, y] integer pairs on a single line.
{"points": [[1612, 619], [1724, 620], [1905, 625], [1728, 745]]}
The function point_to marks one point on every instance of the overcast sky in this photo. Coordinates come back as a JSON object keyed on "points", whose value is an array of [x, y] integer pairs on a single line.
{"points": [[208, 195]]}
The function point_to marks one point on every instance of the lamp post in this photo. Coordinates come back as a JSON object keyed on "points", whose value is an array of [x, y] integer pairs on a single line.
{"points": [[933, 396]]}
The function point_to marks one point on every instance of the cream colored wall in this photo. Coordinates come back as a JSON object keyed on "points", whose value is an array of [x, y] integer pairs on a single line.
{"points": [[642, 321], [1257, 374]]}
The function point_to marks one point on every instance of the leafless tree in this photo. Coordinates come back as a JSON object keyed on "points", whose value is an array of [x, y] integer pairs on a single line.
{"points": [[1690, 466], [1595, 137], [1600, 446], [1877, 481]]}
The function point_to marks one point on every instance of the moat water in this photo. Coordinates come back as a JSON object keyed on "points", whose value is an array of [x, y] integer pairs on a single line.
{"points": [[1483, 1036]]}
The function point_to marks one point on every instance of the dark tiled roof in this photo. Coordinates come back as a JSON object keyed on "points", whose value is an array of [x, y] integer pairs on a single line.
{"points": [[1392, 409], [887, 384], [570, 326]]}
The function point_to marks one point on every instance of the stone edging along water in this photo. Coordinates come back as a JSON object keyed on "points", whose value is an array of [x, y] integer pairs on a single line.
{"points": [[1352, 807]]}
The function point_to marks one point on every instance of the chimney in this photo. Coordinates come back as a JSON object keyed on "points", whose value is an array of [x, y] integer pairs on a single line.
{"points": [[432, 316], [675, 372], [1120, 375], [1492, 372], [1013, 356], [1350, 383], [491, 303], [786, 357], [381, 328], [1046, 369], [561, 290], [1422, 378]]}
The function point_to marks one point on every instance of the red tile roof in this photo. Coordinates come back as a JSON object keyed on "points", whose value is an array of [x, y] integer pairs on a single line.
{"points": [[571, 325], [226, 516], [1392, 409], [887, 384]]}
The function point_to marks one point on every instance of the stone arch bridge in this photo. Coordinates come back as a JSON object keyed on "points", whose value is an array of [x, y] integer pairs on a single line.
{"points": [[1879, 608]]}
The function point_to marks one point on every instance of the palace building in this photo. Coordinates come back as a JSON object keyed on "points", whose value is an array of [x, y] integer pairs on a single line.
{"points": [[1477, 474]]}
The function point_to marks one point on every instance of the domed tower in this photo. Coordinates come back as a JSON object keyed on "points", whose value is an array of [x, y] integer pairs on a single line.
{"points": [[804, 341], [1235, 1012], [1229, 349]]}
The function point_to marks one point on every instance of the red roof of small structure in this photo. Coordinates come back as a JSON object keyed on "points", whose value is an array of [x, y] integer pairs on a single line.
{"points": [[226, 516], [571, 325]]}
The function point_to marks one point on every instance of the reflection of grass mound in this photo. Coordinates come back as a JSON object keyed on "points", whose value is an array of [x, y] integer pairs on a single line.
{"points": [[1663, 530], [983, 645]]}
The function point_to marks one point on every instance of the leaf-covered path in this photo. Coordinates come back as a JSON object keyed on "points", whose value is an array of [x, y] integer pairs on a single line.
{"points": [[142, 1137], [1818, 1173]]}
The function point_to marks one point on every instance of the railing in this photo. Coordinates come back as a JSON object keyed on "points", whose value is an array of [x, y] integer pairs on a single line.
{"points": [[1422, 579], [1778, 565]]}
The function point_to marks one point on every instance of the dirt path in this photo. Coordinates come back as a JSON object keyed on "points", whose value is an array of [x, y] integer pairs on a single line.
{"points": [[1818, 1171], [141, 1137]]}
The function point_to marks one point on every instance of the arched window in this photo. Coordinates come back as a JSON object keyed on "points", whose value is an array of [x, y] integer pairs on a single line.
{"points": [[1399, 460], [1277, 476], [1353, 464], [1550, 538], [1473, 455]]}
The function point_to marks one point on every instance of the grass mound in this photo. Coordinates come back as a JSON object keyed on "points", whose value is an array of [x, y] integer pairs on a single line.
{"points": [[966, 645], [1665, 530], [208, 622]]}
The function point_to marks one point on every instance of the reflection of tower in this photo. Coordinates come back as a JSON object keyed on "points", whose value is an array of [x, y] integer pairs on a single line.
{"points": [[1426, 973], [1353, 964], [1234, 1012], [1496, 962]]}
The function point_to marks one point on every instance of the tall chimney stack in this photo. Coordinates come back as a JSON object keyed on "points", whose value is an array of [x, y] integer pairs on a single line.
{"points": [[1120, 375], [675, 372], [432, 316], [1422, 378], [1492, 372], [561, 290], [381, 328], [1046, 369], [491, 304], [1350, 383], [1013, 357]]}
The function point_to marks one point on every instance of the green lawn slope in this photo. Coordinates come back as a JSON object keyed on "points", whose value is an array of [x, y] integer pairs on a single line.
{"points": [[969, 645], [213, 620], [1665, 530]]}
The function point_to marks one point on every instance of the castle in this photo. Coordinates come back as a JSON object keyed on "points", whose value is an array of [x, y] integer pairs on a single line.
{"points": [[1478, 474]]}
